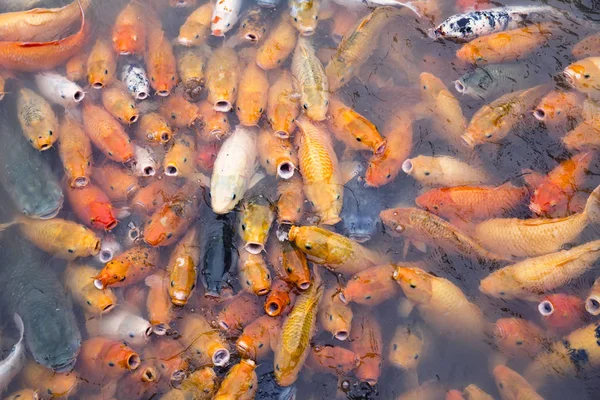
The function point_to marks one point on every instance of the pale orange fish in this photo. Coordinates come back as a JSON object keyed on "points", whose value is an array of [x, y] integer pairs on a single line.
{"points": [[190, 66], [241, 382], [513, 386], [160, 61], [79, 280], [584, 136], [290, 203], [239, 312], [75, 151], [76, 67], [183, 267], [384, 168], [474, 392], [587, 47], [204, 343], [196, 27], [149, 198], [584, 75], [222, 76], [42, 56], [45, 380], [277, 156], [106, 133], [253, 274], [334, 315], [409, 345], [367, 342], [101, 64], [335, 360], [282, 105], [371, 286], [119, 103], [353, 129], [290, 264], [536, 236], [179, 112], [153, 129], [258, 338], [517, 337], [118, 183], [128, 268], [214, 125], [129, 30], [158, 302], [444, 171], [38, 120], [505, 46], [253, 91], [278, 45], [101, 358], [559, 109], [323, 186], [179, 159]]}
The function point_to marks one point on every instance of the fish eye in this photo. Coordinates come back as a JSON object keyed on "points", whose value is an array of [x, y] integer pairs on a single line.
{"points": [[316, 17], [105, 72], [307, 246], [501, 293], [261, 110], [197, 36], [586, 76], [89, 303], [172, 283], [295, 19], [228, 25], [388, 176], [70, 251], [500, 385], [243, 227], [305, 106], [413, 286], [233, 196], [426, 173], [244, 25], [416, 356], [488, 136], [435, 207]]}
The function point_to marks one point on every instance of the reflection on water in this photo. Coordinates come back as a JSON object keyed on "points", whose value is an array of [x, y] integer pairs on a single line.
{"points": [[448, 344]]}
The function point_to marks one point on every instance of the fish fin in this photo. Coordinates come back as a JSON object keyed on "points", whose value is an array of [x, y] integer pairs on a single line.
{"points": [[421, 246], [153, 280], [257, 177], [7, 225], [592, 207], [410, 379], [122, 212], [348, 170], [20, 325], [412, 7], [200, 178], [405, 307], [421, 110], [532, 179]]}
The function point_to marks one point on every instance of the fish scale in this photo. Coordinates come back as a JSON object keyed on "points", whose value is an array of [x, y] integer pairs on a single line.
{"points": [[315, 154], [312, 81]]}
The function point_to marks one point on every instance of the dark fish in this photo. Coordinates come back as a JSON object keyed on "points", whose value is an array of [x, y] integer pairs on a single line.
{"points": [[32, 289], [25, 175], [217, 250], [492, 81], [360, 212]]}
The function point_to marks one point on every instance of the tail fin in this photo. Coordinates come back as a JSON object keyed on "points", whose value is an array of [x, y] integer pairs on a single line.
{"points": [[7, 225], [592, 207]]}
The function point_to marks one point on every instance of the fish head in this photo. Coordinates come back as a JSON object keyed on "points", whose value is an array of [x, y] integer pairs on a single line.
{"points": [[126, 41], [548, 199], [583, 75], [397, 221], [431, 85], [381, 169], [113, 272], [305, 16], [507, 382], [498, 284], [361, 226], [415, 283], [435, 201], [226, 192], [192, 34], [562, 311], [89, 243], [100, 301], [102, 216], [406, 347], [46, 206], [423, 169], [475, 83]]}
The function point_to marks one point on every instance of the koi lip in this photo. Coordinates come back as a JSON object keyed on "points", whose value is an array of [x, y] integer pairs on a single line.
{"points": [[272, 308], [222, 106], [540, 114], [254, 248], [569, 76], [592, 305], [285, 170], [460, 87], [407, 166], [546, 308]]}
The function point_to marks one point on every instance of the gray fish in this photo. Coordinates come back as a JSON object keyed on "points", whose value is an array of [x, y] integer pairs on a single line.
{"points": [[360, 212], [494, 80], [267, 3], [25, 174], [13, 364], [33, 290]]}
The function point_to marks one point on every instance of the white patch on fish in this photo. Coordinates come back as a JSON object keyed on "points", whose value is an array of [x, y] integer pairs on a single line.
{"points": [[13, 364]]}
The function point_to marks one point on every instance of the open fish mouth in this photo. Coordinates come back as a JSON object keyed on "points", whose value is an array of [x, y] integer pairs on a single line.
{"points": [[569, 77], [360, 238]]}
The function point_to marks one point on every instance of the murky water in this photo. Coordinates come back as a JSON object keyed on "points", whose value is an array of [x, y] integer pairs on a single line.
{"points": [[385, 84]]}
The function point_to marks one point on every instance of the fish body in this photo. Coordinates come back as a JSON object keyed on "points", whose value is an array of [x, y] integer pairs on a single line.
{"points": [[128, 268], [553, 196], [222, 76], [118, 183], [443, 171], [257, 216], [587, 47], [312, 81], [282, 107], [31, 185], [58, 89], [488, 82], [183, 267], [75, 151], [204, 343], [257, 338], [199, 385], [241, 382], [471, 25], [371, 286], [332, 250], [505, 46], [278, 45], [361, 208], [518, 338], [474, 392], [129, 31], [290, 203], [253, 92], [224, 17], [217, 252], [233, 169], [15, 361], [135, 79], [357, 46], [384, 168], [584, 75], [214, 125], [467, 203], [51, 330], [158, 302], [320, 172], [38, 120], [160, 62], [423, 227], [367, 342], [106, 133], [536, 236], [196, 27], [179, 112], [335, 316], [336, 360], [304, 15], [494, 121], [190, 65], [562, 313], [76, 68], [290, 264], [103, 358], [253, 274], [79, 281], [439, 301], [296, 332], [239, 312], [101, 64], [279, 298], [513, 386], [120, 104], [43, 56]]}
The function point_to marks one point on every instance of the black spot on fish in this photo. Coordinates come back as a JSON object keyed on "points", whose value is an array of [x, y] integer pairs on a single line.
{"points": [[579, 358]]}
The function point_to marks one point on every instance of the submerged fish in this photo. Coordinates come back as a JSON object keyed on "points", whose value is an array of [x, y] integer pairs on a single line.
{"points": [[491, 81], [513, 386], [471, 25], [217, 251], [33, 290]]}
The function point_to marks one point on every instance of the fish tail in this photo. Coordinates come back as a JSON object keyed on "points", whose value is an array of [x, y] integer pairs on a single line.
{"points": [[592, 207], [7, 225]]}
